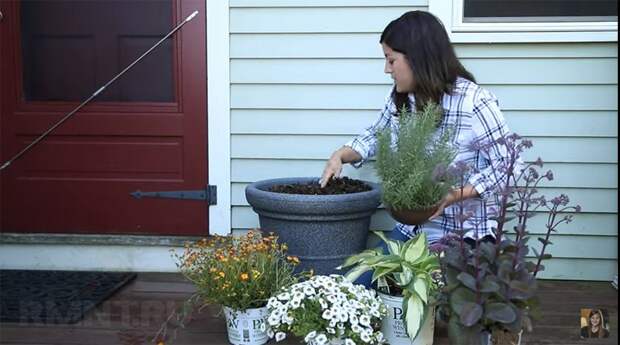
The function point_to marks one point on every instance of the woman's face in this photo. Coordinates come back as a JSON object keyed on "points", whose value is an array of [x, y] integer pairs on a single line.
{"points": [[595, 319], [397, 65]]}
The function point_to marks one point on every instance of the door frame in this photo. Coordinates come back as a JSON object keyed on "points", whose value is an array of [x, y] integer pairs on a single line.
{"points": [[218, 108]]}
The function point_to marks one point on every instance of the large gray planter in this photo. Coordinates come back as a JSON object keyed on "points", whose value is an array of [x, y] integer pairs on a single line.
{"points": [[322, 230]]}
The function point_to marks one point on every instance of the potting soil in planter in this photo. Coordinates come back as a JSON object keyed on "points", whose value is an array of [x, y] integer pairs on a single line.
{"points": [[342, 185], [321, 229]]}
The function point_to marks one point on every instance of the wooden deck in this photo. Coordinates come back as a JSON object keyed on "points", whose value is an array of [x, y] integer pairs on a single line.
{"points": [[138, 309]]}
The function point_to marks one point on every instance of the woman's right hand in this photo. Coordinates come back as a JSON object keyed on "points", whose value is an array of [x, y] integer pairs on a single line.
{"points": [[332, 169]]}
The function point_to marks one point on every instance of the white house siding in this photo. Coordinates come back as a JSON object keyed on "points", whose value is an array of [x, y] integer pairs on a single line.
{"points": [[308, 75]]}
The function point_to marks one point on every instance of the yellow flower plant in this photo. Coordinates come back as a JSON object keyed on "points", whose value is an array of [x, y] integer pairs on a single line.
{"points": [[238, 272]]}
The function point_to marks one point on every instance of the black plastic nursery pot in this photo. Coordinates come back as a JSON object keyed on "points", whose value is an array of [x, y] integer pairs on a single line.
{"points": [[322, 230]]}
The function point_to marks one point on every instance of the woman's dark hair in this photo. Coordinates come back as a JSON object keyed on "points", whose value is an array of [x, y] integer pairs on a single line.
{"points": [[421, 37]]}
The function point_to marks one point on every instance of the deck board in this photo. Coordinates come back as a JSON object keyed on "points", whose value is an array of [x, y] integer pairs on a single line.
{"points": [[140, 307]]}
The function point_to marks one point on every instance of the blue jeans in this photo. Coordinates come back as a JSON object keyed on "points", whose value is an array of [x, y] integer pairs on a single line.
{"points": [[395, 234]]}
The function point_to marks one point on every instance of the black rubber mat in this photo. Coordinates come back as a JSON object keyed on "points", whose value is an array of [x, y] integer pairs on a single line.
{"points": [[34, 296]]}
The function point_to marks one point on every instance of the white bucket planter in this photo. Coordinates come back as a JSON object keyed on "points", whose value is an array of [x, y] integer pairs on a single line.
{"points": [[248, 327], [393, 326], [490, 341]]}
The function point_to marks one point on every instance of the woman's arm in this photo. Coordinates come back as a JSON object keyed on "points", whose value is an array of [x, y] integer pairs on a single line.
{"points": [[454, 196], [333, 168], [490, 131], [359, 149]]}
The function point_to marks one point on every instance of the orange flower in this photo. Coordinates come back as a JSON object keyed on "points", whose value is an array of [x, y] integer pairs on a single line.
{"points": [[244, 277], [293, 259], [222, 274]]}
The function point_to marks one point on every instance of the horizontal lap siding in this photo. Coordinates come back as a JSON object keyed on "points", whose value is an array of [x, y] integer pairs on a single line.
{"points": [[308, 75]]}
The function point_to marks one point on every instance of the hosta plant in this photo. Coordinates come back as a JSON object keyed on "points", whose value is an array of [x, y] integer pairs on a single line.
{"points": [[324, 309], [408, 269]]}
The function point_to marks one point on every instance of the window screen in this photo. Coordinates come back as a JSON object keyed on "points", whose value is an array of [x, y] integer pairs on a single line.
{"points": [[539, 10], [71, 48]]}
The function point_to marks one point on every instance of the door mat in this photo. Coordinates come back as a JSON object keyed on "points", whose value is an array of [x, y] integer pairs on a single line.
{"points": [[34, 296]]}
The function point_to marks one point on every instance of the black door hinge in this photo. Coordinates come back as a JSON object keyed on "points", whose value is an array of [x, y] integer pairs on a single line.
{"points": [[208, 194]]}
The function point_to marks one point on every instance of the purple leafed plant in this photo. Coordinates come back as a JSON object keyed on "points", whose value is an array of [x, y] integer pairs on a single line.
{"points": [[491, 287]]}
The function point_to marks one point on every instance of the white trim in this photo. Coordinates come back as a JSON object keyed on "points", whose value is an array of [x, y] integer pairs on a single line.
{"points": [[450, 12], [218, 98], [88, 257]]}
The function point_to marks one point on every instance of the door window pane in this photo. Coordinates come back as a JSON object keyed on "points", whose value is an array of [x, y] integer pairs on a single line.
{"points": [[71, 48], [540, 10]]}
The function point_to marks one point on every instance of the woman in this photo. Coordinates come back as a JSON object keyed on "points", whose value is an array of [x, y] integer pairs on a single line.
{"points": [[422, 62], [595, 327]]}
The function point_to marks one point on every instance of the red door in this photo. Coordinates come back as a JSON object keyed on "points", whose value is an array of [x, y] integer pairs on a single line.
{"points": [[146, 132]]}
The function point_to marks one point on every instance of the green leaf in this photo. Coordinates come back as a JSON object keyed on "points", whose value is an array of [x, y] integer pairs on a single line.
{"points": [[489, 285], [459, 297], [416, 249], [530, 266], [450, 275], [517, 325], [488, 250], [461, 335], [405, 276], [353, 259], [544, 241], [380, 259], [520, 286], [356, 272], [421, 288], [468, 280], [456, 332], [414, 314], [470, 314], [393, 246], [503, 272], [506, 244], [381, 272], [500, 312]]}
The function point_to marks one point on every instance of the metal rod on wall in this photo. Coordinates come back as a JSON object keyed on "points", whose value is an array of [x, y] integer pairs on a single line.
{"points": [[66, 117]]}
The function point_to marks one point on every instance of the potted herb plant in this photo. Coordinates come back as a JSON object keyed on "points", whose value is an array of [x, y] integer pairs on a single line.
{"points": [[490, 295], [407, 165], [240, 274], [406, 283], [322, 226], [326, 310]]}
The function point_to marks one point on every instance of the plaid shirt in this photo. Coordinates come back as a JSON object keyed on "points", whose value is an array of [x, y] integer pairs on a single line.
{"points": [[474, 114]]}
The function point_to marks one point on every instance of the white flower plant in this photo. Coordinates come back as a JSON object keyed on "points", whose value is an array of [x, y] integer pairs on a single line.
{"points": [[324, 309]]}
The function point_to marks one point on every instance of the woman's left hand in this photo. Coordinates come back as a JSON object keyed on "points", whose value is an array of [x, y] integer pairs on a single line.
{"points": [[453, 196], [445, 202]]}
